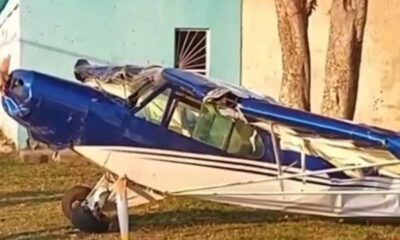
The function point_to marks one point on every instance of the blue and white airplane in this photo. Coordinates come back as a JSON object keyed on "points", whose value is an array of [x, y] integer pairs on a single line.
{"points": [[169, 132]]}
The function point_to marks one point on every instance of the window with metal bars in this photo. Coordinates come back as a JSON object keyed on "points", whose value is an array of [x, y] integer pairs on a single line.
{"points": [[191, 50]]}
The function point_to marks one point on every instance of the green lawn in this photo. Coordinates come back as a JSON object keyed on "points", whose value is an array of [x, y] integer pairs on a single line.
{"points": [[30, 209]]}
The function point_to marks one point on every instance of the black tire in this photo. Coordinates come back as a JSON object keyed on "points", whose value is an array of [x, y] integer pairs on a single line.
{"points": [[80, 216], [83, 219], [72, 198]]}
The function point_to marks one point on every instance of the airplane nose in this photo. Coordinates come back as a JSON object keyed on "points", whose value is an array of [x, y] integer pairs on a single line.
{"points": [[60, 112], [19, 85], [52, 109], [17, 93]]}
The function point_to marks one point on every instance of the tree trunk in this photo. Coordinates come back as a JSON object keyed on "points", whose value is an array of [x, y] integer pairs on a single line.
{"points": [[292, 25], [348, 19]]}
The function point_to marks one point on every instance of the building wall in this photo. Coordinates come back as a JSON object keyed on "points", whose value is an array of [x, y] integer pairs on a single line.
{"points": [[379, 95], [378, 98], [10, 45], [261, 64], [50, 35], [57, 32], [146, 31]]}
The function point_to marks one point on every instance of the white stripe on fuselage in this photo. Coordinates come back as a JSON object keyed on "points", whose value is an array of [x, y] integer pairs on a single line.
{"points": [[100, 154]]}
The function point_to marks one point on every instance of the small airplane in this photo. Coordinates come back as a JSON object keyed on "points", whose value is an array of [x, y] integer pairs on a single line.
{"points": [[159, 132]]}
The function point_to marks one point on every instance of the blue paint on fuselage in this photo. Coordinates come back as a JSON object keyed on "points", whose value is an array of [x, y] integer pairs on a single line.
{"points": [[64, 113]]}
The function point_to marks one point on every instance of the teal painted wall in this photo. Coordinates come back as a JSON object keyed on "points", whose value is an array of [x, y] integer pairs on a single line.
{"points": [[149, 27], [3, 4], [57, 32], [54, 33]]}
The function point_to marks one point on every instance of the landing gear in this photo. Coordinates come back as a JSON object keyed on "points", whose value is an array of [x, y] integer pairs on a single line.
{"points": [[73, 198], [82, 206]]}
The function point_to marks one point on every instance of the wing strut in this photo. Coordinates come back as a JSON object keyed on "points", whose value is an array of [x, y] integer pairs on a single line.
{"points": [[122, 208], [276, 156]]}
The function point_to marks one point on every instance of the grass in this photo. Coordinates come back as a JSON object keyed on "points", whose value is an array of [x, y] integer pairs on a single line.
{"points": [[30, 209]]}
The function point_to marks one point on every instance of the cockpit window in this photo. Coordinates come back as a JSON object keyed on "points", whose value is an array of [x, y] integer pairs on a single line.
{"points": [[245, 141], [154, 110], [232, 135], [212, 128], [184, 119]]}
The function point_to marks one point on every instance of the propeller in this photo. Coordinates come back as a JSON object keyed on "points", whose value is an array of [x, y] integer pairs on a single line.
{"points": [[122, 207], [4, 71]]}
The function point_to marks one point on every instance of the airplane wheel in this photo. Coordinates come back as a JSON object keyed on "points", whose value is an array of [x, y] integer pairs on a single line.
{"points": [[72, 198], [80, 216], [84, 219]]}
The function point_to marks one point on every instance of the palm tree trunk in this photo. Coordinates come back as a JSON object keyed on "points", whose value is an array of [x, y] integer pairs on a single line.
{"points": [[348, 19], [292, 25]]}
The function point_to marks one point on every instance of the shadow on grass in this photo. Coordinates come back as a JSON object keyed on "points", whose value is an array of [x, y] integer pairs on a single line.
{"points": [[28, 197], [183, 218], [41, 234], [198, 217]]}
